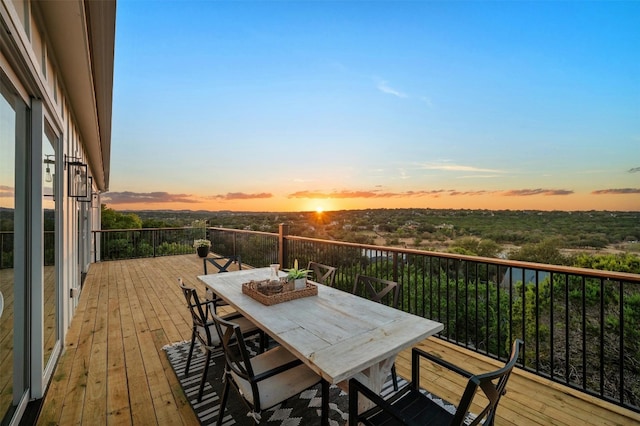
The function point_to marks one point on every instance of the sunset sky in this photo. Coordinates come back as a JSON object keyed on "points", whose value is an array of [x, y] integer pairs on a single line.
{"points": [[296, 106]]}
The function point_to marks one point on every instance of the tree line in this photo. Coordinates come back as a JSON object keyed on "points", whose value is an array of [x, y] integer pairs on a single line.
{"points": [[555, 237]]}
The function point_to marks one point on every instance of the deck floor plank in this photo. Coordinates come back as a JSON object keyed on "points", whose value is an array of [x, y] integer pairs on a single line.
{"points": [[74, 394], [63, 376], [140, 394], [130, 309], [95, 405], [118, 407]]}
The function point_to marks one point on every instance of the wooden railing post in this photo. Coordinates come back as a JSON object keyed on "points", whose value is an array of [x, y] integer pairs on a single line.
{"points": [[283, 230]]}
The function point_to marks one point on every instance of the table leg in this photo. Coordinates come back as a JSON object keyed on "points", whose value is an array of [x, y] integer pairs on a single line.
{"points": [[374, 378]]}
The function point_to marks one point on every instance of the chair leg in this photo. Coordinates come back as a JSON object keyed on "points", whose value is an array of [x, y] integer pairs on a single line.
{"points": [[193, 343], [324, 417], [204, 376], [394, 377], [353, 405], [264, 341], [223, 399]]}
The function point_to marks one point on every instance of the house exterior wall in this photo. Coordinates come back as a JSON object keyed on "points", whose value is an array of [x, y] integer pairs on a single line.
{"points": [[52, 113]]}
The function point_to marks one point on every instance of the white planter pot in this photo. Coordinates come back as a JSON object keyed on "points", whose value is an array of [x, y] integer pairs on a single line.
{"points": [[300, 283]]}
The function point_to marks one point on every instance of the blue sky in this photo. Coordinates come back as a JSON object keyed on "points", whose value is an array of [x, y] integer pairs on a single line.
{"points": [[281, 105]]}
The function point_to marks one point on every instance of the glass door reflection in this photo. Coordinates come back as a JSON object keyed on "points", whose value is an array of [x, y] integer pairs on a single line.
{"points": [[49, 200]]}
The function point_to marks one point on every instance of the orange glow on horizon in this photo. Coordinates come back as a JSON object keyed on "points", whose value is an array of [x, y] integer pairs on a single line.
{"points": [[573, 202]]}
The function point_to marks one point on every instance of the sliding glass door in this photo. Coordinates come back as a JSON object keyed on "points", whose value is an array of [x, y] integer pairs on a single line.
{"points": [[49, 274], [14, 336]]}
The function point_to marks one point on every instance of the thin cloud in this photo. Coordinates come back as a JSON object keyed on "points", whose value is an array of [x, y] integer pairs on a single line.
{"points": [[403, 174], [241, 196], [352, 194], [634, 170], [384, 88], [458, 168], [538, 191], [617, 191], [128, 197], [470, 193], [479, 176], [434, 193], [334, 194], [6, 191], [367, 194]]}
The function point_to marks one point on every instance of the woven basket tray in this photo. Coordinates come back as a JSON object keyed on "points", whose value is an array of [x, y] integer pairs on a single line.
{"points": [[251, 289]]}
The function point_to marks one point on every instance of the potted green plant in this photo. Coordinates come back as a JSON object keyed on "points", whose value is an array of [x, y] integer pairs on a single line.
{"points": [[297, 275], [202, 247]]}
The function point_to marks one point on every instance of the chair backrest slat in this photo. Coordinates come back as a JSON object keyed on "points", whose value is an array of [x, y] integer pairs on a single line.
{"points": [[221, 264], [377, 289], [323, 274]]}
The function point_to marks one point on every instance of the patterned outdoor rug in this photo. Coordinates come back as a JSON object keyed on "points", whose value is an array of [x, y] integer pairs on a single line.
{"points": [[303, 409]]}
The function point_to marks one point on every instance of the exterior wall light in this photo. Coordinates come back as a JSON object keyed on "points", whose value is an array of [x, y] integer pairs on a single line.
{"points": [[77, 178], [47, 171], [89, 196]]}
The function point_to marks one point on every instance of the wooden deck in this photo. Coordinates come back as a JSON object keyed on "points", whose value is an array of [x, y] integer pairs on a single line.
{"points": [[113, 369]]}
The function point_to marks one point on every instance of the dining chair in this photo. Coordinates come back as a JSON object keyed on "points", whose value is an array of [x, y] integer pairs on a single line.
{"points": [[410, 406], [220, 264], [381, 291], [377, 289], [323, 274], [204, 330], [266, 379]]}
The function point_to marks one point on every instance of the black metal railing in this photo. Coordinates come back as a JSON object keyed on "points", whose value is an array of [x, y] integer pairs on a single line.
{"points": [[147, 242], [254, 247], [580, 326], [7, 248]]}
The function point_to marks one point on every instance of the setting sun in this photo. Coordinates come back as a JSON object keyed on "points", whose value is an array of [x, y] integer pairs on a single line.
{"points": [[319, 209]]}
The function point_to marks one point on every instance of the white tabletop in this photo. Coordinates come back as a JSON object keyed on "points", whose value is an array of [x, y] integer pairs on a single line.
{"points": [[335, 333]]}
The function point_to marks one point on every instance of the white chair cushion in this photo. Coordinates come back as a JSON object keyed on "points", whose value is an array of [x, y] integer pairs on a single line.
{"points": [[281, 386]]}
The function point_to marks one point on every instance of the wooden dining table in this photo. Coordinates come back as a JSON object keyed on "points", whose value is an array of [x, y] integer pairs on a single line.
{"points": [[337, 334]]}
